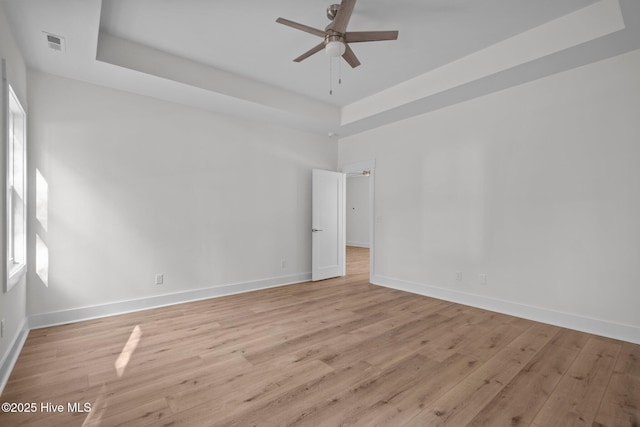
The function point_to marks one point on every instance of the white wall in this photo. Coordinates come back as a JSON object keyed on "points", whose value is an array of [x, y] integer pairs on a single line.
{"points": [[358, 211], [139, 186], [536, 186], [12, 304]]}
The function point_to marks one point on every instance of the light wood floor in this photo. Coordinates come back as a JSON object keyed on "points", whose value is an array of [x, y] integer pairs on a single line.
{"points": [[335, 352]]}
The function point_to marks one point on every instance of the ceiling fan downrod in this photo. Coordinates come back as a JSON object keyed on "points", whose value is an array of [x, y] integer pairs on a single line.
{"points": [[332, 11]]}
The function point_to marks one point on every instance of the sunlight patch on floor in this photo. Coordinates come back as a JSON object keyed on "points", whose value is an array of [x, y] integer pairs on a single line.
{"points": [[125, 355]]}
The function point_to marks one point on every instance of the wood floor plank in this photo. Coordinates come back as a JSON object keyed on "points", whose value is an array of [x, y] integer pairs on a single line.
{"points": [[300, 403], [629, 360], [335, 352], [400, 407], [576, 399], [356, 401], [149, 414], [620, 405], [370, 349], [121, 395], [246, 393], [462, 403], [489, 342], [521, 399]]}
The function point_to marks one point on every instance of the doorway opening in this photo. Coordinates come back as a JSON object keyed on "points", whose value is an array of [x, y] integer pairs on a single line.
{"points": [[359, 218]]}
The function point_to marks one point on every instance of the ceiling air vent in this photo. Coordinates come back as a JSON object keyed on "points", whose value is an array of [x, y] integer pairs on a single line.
{"points": [[55, 42]]}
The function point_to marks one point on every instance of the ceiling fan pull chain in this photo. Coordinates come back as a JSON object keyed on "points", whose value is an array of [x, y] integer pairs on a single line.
{"points": [[339, 71], [330, 76]]}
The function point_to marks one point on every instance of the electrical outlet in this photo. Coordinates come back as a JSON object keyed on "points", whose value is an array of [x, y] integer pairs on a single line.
{"points": [[2, 328], [459, 276], [159, 279], [283, 263], [483, 279]]}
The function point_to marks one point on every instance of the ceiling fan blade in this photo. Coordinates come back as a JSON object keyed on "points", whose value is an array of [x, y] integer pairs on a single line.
{"points": [[310, 52], [370, 36], [301, 27], [350, 57], [341, 20]]}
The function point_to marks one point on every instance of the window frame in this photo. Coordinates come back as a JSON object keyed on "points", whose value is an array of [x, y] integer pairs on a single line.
{"points": [[15, 263]]}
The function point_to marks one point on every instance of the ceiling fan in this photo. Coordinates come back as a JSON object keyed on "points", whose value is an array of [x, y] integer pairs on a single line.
{"points": [[336, 37]]}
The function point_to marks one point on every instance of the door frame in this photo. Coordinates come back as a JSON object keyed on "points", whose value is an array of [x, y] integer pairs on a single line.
{"points": [[356, 167]]}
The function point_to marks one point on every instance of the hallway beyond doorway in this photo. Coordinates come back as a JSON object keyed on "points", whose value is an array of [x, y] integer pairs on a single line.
{"points": [[357, 260]]}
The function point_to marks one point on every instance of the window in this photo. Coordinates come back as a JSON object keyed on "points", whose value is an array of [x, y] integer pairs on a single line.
{"points": [[16, 187]]}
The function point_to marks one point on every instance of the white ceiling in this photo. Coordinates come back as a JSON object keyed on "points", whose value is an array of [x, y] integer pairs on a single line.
{"points": [[231, 55], [243, 38]]}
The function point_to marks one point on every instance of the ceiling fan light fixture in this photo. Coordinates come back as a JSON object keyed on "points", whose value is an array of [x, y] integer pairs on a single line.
{"points": [[335, 48]]}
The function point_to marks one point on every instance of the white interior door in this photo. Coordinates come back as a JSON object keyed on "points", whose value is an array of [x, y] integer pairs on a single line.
{"points": [[327, 220]]}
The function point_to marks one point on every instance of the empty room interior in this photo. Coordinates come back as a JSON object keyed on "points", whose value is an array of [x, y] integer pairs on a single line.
{"points": [[251, 213]]}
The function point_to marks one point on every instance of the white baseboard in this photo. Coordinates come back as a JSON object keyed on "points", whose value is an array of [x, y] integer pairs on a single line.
{"points": [[85, 313], [566, 320], [11, 356], [358, 244]]}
